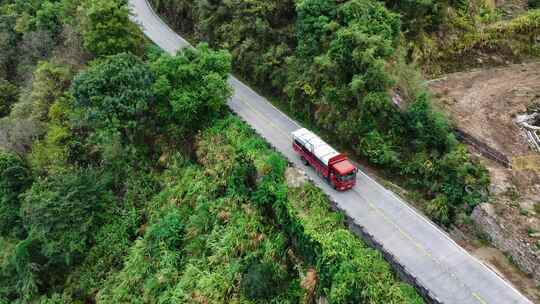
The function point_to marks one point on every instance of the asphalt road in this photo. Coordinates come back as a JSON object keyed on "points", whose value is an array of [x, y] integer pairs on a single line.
{"points": [[423, 251]]}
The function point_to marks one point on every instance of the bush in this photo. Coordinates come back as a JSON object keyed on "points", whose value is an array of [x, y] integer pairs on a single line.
{"points": [[50, 82], [439, 210], [428, 129], [419, 16], [534, 4], [378, 150]]}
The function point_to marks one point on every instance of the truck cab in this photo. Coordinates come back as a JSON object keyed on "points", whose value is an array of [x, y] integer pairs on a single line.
{"points": [[342, 173]]}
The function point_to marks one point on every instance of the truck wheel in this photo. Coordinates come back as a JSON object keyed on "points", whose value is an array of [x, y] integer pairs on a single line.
{"points": [[304, 161]]}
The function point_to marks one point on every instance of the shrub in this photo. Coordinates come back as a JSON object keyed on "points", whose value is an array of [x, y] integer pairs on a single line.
{"points": [[428, 129], [378, 150], [168, 231], [50, 82], [439, 210]]}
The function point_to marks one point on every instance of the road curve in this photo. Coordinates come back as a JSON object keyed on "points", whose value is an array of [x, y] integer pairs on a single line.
{"points": [[425, 255]]}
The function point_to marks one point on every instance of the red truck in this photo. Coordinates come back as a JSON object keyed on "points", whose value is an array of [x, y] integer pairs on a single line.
{"points": [[333, 166]]}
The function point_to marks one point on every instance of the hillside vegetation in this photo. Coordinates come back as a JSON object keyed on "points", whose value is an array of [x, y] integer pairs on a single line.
{"points": [[469, 34], [339, 64], [125, 179]]}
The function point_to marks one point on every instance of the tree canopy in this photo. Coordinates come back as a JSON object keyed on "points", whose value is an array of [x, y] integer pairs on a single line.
{"points": [[114, 93], [14, 179], [190, 88], [107, 29]]}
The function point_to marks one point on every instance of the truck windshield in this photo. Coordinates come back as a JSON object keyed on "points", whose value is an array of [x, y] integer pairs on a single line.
{"points": [[347, 177]]}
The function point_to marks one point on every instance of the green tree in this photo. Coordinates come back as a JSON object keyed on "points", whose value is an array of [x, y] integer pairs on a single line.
{"points": [[180, 13], [114, 94], [107, 29], [463, 181], [191, 89], [419, 16], [51, 80], [8, 47], [8, 96], [258, 34], [47, 17], [313, 25], [14, 179], [62, 214], [428, 129]]}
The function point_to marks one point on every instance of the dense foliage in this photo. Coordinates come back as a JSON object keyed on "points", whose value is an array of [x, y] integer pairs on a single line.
{"points": [[339, 64], [107, 30], [114, 96], [190, 90], [458, 35], [14, 179], [123, 179]]}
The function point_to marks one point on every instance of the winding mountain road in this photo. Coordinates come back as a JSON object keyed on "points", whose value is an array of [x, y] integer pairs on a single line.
{"points": [[426, 256]]}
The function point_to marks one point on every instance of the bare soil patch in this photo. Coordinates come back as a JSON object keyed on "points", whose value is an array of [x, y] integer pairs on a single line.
{"points": [[484, 103]]}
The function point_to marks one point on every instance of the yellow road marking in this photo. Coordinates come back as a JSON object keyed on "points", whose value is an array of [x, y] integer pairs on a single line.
{"points": [[477, 296]]}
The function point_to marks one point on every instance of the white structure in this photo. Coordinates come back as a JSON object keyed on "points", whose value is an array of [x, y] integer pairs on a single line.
{"points": [[323, 151], [530, 130]]}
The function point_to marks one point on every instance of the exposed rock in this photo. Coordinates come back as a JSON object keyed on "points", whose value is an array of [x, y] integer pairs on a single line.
{"points": [[522, 254]]}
